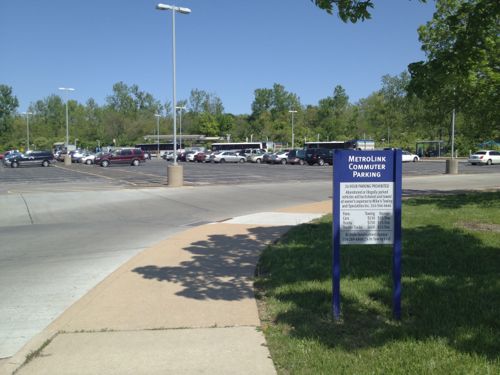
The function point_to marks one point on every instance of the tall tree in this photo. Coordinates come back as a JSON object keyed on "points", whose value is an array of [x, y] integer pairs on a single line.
{"points": [[462, 71], [131, 101], [331, 114], [8, 106], [270, 117]]}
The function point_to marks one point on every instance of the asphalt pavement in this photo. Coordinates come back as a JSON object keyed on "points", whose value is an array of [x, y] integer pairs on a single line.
{"points": [[82, 230]]}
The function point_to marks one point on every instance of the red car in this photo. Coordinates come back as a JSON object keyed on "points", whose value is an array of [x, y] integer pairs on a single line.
{"points": [[131, 156], [200, 157]]}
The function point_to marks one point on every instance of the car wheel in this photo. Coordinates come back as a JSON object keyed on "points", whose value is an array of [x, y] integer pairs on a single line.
{"points": [[45, 163], [222, 160], [283, 161], [415, 159], [258, 161], [321, 162], [88, 162], [104, 163], [135, 163], [242, 160], [14, 164], [489, 162], [301, 162]]}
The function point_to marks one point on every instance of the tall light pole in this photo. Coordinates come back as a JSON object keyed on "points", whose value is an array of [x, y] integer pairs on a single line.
{"points": [[180, 108], [453, 134], [157, 115], [27, 129], [174, 10], [293, 135], [66, 89]]}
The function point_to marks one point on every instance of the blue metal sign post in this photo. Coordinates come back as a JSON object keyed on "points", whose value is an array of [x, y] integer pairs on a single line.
{"points": [[367, 190]]}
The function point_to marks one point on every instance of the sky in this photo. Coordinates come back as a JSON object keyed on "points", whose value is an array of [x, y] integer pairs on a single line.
{"points": [[226, 47]]}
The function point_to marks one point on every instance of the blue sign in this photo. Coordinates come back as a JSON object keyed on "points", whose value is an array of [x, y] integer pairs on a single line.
{"points": [[367, 189]]}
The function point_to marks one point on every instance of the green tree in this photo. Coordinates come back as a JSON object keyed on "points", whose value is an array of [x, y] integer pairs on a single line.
{"points": [[49, 118], [348, 10], [332, 114], [208, 125], [131, 101], [270, 117], [462, 71], [8, 106]]}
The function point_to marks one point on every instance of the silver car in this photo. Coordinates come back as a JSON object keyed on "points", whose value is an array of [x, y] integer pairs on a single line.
{"points": [[487, 157], [227, 157]]}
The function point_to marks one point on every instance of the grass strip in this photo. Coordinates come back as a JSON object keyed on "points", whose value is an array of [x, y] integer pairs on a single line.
{"points": [[451, 295]]}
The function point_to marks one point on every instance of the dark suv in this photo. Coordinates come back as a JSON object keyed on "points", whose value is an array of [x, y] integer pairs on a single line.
{"points": [[131, 156], [296, 157], [43, 158], [320, 156]]}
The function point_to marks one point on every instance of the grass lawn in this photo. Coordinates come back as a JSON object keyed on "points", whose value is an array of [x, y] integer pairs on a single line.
{"points": [[450, 303]]}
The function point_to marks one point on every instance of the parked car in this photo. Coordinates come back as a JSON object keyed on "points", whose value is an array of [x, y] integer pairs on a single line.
{"points": [[131, 156], [88, 158], [320, 156], [183, 155], [256, 157], [266, 157], [191, 155], [77, 155], [248, 152], [487, 157], [168, 155], [208, 156], [227, 157], [297, 157], [200, 157], [408, 156], [43, 158], [279, 158], [9, 155]]}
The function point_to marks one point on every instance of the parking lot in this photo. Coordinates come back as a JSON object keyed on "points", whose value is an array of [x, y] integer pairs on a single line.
{"points": [[153, 173]]}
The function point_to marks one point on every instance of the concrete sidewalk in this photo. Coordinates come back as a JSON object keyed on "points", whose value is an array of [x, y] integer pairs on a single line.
{"points": [[186, 305]]}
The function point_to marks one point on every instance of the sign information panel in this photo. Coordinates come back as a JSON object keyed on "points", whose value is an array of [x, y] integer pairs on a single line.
{"points": [[367, 209], [366, 213]]}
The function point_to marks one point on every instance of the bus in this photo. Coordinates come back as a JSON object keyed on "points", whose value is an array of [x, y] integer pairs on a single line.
{"points": [[332, 145], [152, 148], [361, 144], [61, 146], [355, 144], [238, 146]]}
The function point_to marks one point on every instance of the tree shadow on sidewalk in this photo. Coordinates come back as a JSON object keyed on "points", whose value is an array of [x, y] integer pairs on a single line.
{"points": [[221, 267]]}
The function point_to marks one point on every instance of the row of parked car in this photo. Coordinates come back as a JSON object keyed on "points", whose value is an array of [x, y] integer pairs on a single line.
{"points": [[320, 156], [132, 156], [136, 156]]}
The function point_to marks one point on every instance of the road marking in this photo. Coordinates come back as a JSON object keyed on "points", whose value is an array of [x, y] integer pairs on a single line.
{"points": [[97, 175]]}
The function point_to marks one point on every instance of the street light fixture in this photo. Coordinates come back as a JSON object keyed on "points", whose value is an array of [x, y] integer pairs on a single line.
{"points": [[293, 135], [174, 10], [27, 129], [66, 89]]}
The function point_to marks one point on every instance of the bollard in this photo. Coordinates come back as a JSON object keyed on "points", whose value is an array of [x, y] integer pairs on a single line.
{"points": [[451, 166], [67, 159], [175, 175]]}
